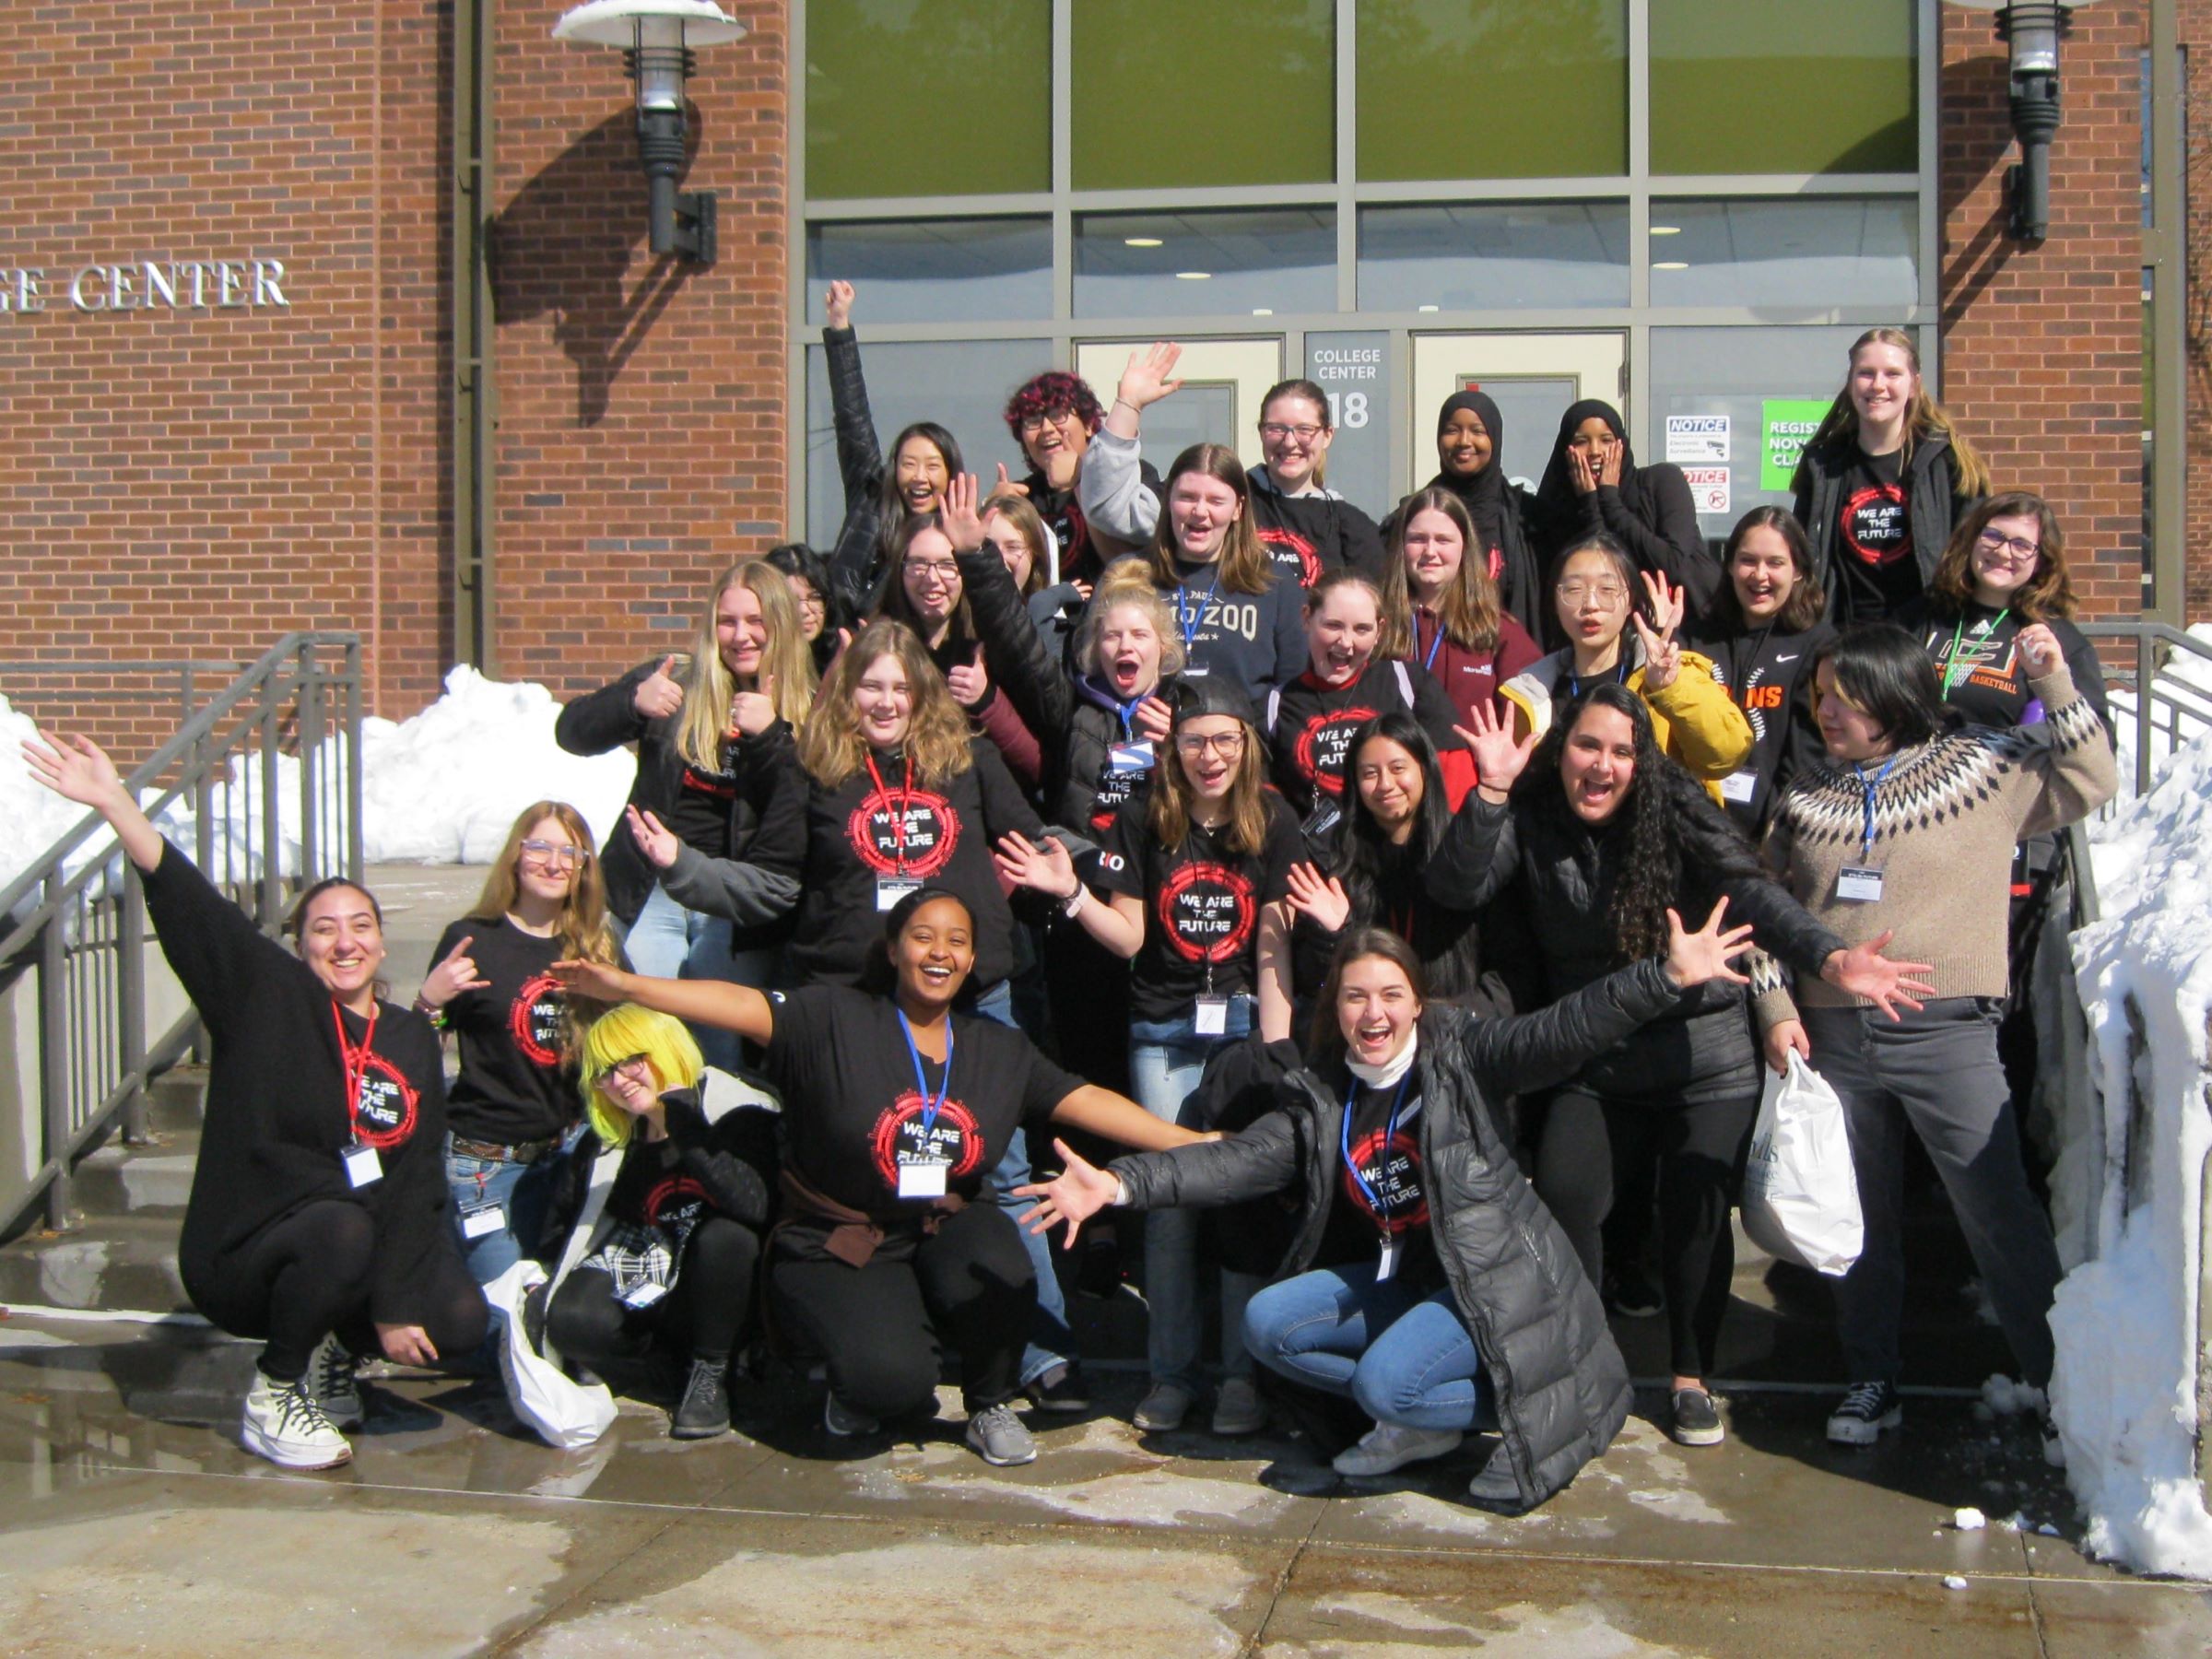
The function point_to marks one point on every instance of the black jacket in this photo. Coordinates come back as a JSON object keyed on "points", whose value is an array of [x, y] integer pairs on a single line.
{"points": [[1309, 535], [1932, 490], [852, 558], [733, 1159], [1769, 676], [1562, 1389], [1656, 522]]}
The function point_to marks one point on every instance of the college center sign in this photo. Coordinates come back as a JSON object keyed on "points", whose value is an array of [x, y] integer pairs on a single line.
{"points": [[150, 285]]}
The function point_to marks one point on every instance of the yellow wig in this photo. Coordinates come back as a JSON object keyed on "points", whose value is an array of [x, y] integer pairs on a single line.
{"points": [[622, 1033]]}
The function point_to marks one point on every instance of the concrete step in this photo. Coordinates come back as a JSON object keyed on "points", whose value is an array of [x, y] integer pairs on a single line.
{"points": [[111, 1262], [150, 1180], [177, 1098]]}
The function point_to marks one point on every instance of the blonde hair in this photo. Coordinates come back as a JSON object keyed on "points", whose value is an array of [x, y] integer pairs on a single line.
{"points": [[1923, 415], [1243, 562], [583, 927], [831, 747], [1467, 608], [621, 1033], [786, 660], [1126, 584]]}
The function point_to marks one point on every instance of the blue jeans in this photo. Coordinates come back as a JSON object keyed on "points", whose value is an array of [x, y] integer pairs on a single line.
{"points": [[1040, 1354], [523, 1192], [1406, 1358], [1167, 1058], [667, 941]]}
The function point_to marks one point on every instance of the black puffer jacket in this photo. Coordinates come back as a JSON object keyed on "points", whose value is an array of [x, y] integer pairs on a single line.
{"points": [[853, 559], [1562, 1387]]}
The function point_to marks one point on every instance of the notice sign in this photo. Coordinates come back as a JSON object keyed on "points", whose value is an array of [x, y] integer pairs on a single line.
{"points": [[1785, 426], [1708, 488], [1695, 439]]}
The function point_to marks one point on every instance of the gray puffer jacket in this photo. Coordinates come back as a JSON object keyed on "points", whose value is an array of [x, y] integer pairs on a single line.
{"points": [[1562, 1387]]}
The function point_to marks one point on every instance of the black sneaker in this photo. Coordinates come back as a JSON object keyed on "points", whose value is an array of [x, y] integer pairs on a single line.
{"points": [[1061, 1389], [1633, 1294], [1862, 1415], [704, 1410], [1697, 1422]]}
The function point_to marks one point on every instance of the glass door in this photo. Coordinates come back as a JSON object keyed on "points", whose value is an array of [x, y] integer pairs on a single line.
{"points": [[1223, 382], [1533, 378]]}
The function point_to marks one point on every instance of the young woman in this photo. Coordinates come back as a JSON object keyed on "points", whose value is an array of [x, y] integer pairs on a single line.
{"points": [[895, 1108], [1760, 635], [1882, 483], [1424, 1280], [317, 1218], [1594, 587], [491, 984], [1470, 436], [1606, 841], [821, 611], [1308, 529], [879, 499], [1347, 681], [1237, 618], [658, 1232], [1439, 608], [1907, 829], [1054, 417], [1592, 483], [1015, 533], [1194, 874]]}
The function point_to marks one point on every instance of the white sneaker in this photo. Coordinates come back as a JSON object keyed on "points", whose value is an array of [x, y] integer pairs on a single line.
{"points": [[284, 1423], [1238, 1408], [1389, 1446], [330, 1373], [1162, 1410]]}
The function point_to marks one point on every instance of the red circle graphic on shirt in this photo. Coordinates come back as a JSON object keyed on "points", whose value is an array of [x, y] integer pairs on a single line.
{"points": [[1324, 746], [1207, 911], [384, 1112], [1397, 1178], [1873, 523], [933, 830], [898, 1138], [1290, 541], [672, 1193], [535, 1018]]}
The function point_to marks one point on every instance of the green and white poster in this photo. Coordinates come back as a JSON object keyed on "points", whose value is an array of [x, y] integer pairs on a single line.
{"points": [[1785, 426]]}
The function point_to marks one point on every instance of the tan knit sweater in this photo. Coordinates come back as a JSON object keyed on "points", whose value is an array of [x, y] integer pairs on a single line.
{"points": [[1946, 820]]}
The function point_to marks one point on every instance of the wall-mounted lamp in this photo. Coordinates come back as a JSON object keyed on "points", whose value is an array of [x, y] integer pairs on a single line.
{"points": [[657, 38], [2031, 29]]}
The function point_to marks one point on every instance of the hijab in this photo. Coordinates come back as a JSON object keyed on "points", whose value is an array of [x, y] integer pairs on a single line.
{"points": [[1496, 508], [1559, 507]]}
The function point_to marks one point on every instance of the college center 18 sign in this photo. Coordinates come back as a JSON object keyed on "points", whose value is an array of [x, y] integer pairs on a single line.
{"points": [[152, 285]]}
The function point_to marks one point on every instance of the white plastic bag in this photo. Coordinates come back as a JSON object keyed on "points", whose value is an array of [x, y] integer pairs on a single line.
{"points": [[564, 1412], [1801, 1195]]}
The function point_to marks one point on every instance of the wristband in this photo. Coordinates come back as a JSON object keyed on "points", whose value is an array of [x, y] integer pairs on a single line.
{"points": [[430, 1011], [1075, 900]]}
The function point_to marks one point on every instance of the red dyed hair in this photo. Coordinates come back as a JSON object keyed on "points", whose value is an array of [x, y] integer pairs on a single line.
{"points": [[1050, 393]]}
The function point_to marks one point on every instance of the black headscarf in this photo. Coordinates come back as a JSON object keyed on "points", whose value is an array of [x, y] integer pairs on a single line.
{"points": [[1497, 507], [1559, 507]]}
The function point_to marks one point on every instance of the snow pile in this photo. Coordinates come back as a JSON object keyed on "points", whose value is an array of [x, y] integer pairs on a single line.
{"points": [[2124, 1394], [2182, 713], [444, 787], [32, 817]]}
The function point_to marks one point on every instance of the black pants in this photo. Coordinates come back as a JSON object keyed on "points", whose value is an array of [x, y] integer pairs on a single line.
{"points": [[700, 1318], [1700, 1150], [1089, 989], [877, 1326], [300, 1279]]}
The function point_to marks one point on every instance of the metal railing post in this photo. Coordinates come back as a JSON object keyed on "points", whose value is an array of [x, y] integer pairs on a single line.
{"points": [[2145, 680], [130, 998], [53, 1056], [272, 839], [353, 760], [311, 744]]}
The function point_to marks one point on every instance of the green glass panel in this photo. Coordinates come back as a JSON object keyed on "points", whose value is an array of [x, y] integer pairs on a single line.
{"points": [[1171, 93], [1504, 89], [1782, 87], [951, 97]]}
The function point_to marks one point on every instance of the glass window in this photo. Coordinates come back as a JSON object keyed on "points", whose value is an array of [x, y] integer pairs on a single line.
{"points": [[1197, 92], [1808, 250], [1502, 256], [960, 384], [935, 270], [949, 98], [1249, 261], [1782, 87], [1506, 89]]}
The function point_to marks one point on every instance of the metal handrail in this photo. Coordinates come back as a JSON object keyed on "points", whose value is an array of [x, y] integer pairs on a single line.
{"points": [[2148, 637], [84, 935]]}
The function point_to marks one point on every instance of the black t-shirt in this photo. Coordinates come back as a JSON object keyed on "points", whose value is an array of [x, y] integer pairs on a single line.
{"points": [[1202, 906], [1312, 724], [1387, 1197], [852, 1113], [700, 804], [513, 1086], [652, 1189], [1873, 539], [1766, 675]]}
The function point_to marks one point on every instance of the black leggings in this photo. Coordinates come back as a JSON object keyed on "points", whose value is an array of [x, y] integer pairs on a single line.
{"points": [[877, 1325], [1699, 1152], [700, 1318], [299, 1279]]}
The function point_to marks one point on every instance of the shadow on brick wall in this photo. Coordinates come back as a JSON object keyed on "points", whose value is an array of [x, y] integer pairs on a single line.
{"points": [[563, 247], [1976, 136]]}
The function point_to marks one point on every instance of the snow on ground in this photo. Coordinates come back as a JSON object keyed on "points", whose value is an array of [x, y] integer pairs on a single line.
{"points": [[32, 817], [2186, 682]]}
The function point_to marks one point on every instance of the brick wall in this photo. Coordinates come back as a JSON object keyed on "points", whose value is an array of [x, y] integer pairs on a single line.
{"points": [[2195, 30]]}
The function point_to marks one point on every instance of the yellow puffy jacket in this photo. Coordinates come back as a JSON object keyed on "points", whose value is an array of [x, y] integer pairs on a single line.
{"points": [[1693, 720]]}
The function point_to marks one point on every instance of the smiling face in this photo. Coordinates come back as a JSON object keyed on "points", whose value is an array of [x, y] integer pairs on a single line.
{"points": [[630, 1083], [342, 942], [1054, 444], [814, 610], [1210, 747], [1595, 440], [1433, 550], [1376, 1009], [1598, 763], [933, 952], [1851, 735], [1341, 631], [931, 576], [1294, 436], [1389, 779], [1200, 510], [1883, 384], [740, 631], [2006, 557], [1763, 572], [1129, 651], [884, 702], [920, 474], [551, 877], [1592, 600], [1007, 540], [1464, 446]]}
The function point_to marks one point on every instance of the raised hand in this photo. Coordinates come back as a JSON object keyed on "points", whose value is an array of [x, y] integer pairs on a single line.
{"points": [[1579, 473], [1499, 759], [970, 683], [956, 512], [455, 974], [2039, 650], [1864, 971], [1154, 719], [597, 982], [1072, 1197], [837, 305], [659, 694], [654, 838], [1007, 485], [76, 768], [1145, 381], [1047, 868], [752, 712], [1694, 957], [1321, 899]]}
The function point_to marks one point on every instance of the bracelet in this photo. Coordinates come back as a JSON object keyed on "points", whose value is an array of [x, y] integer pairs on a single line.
{"points": [[1075, 900], [430, 1011]]}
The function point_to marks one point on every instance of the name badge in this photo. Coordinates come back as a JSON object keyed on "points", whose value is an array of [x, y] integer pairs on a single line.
{"points": [[644, 1294], [1132, 757], [1386, 1263], [1212, 1017], [482, 1219], [1196, 670], [1862, 884], [889, 889], [1739, 786], [923, 1180], [363, 1165], [1325, 817]]}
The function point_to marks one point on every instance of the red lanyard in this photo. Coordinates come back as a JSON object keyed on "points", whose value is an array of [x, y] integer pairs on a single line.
{"points": [[355, 1060], [1401, 923], [906, 796]]}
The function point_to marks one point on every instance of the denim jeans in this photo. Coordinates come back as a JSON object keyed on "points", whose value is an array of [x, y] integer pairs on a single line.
{"points": [[667, 941], [1167, 1058], [1051, 1343], [523, 1192], [1406, 1358]]}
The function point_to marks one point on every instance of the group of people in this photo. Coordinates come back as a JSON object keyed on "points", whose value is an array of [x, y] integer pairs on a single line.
{"points": [[1416, 906]]}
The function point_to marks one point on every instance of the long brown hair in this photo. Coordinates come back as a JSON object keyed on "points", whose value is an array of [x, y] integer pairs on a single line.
{"points": [[1327, 1035], [892, 599], [1924, 416], [1243, 563], [1467, 608], [2047, 593], [831, 747], [1172, 799], [1806, 603], [583, 925], [709, 685], [1027, 522]]}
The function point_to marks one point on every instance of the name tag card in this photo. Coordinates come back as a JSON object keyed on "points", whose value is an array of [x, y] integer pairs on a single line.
{"points": [[1739, 786], [482, 1219], [1386, 1264], [1132, 757], [889, 889], [1212, 1019], [643, 1295], [1861, 884], [363, 1165], [922, 1179]]}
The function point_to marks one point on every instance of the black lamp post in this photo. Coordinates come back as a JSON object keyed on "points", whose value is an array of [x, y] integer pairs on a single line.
{"points": [[2032, 28], [657, 38]]}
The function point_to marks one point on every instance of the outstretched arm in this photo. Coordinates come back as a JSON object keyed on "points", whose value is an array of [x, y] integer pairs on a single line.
{"points": [[79, 770], [737, 1009], [1117, 1118]]}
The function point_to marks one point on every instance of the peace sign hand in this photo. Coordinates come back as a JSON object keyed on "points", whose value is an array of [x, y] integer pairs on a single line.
{"points": [[455, 974]]}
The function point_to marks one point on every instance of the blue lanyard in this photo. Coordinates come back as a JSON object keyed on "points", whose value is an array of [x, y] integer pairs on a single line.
{"points": [[1435, 645], [1866, 840], [1620, 677], [1189, 620], [1127, 711], [1390, 1136], [929, 1115]]}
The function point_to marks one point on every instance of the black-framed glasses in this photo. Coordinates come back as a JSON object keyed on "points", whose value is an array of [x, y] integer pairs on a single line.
{"points": [[1275, 431], [2018, 547], [1037, 423]]}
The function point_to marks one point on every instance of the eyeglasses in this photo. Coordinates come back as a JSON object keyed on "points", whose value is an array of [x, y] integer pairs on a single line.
{"points": [[1037, 423], [1274, 432], [1576, 591], [1226, 744], [565, 857], [940, 570], [812, 602], [2017, 546], [634, 1068]]}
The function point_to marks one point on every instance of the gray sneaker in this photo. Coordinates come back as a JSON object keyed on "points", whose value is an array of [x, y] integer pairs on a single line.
{"points": [[1162, 1410], [999, 1437], [1238, 1408], [331, 1379]]}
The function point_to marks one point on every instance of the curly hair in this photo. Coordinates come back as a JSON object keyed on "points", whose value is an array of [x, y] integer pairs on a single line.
{"points": [[2046, 594], [1053, 393]]}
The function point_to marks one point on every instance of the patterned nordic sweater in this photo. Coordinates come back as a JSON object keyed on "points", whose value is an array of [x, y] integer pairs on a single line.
{"points": [[1945, 822]]}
